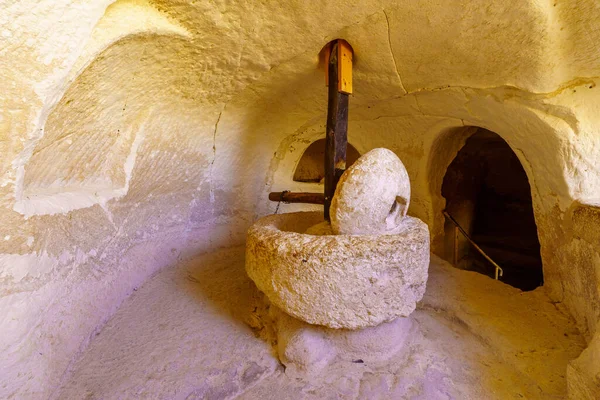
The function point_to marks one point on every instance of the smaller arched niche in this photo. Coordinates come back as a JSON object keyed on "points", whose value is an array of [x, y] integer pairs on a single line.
{"points": [[311, 167]]}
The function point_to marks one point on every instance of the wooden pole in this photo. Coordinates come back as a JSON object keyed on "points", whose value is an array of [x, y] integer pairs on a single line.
{"points": [[289, 197], [339, 80], [336, 138]]}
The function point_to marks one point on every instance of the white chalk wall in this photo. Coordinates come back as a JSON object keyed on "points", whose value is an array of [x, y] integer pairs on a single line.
{"points": [[134, 133]]}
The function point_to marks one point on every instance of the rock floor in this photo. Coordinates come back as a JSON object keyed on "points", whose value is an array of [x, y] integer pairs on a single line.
{"points": [[186, 334]]}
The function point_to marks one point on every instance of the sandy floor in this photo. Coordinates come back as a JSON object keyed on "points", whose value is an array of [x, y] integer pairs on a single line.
{"points": [[185, 335]]}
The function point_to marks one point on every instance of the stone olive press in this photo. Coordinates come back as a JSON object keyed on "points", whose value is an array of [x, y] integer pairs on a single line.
{"points": [[367, 269]]}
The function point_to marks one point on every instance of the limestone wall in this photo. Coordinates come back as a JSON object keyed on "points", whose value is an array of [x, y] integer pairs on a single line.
{"points": [[136, 132]]}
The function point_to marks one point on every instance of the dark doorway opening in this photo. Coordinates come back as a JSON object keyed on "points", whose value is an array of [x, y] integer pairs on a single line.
{"points": [[488, 194]]}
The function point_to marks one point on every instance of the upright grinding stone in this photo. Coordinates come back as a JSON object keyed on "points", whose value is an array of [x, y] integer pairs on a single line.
{"points": [[372, 196]]}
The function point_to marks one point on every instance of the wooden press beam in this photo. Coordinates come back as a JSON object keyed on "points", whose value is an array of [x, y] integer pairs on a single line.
{"points": [[338, 77], [289, 197], [336, 139]]}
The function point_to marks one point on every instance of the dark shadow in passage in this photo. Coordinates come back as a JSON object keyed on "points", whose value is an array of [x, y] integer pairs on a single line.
{"points": [[488, 193]]}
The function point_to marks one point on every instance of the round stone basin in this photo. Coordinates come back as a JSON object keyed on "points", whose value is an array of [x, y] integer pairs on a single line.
{"points": [[339, 281]]}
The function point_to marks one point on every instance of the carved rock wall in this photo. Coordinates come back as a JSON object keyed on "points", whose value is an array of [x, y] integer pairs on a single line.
{"points": [[136, 132]]}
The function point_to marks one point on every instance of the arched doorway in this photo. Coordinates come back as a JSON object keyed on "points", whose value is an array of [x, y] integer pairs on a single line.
{"points": [[311, 166], [487, 192]]}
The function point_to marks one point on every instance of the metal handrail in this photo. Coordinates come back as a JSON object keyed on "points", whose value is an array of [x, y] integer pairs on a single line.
{"points": [[499, 270]]}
